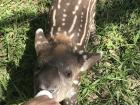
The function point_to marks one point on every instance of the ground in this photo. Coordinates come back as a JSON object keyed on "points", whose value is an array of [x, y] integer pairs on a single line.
{"points": [[115, 80]]}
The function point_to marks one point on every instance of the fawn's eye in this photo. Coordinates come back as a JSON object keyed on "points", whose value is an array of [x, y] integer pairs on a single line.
{"points": [[68, 73]]}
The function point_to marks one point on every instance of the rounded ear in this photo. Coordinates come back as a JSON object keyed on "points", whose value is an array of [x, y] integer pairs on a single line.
{"points": [[86, 60]]}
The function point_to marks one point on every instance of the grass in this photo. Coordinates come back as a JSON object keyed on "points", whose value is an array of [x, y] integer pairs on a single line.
{"points": [[113, 81]]}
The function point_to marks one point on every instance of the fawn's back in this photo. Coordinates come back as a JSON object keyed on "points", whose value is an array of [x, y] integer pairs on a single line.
{"points": [[71, 18]]}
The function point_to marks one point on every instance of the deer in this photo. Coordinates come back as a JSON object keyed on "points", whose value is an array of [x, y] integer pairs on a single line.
{"points": [[61, 51]]}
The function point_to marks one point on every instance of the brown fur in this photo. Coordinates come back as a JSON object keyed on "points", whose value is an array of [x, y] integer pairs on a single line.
{"points": [[60, 50], [62, 38]]}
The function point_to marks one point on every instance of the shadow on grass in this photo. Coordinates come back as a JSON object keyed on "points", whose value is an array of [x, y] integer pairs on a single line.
{"points": [[20, 86]]}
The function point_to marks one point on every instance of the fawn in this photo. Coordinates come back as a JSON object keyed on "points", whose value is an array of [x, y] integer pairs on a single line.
{"points": [[61, 51]]}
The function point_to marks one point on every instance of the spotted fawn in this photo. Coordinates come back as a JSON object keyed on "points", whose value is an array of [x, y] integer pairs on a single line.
{"points": [[61, 51]]}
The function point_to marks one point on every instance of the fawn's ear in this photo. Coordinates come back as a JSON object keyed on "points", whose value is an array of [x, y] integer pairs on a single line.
{"points": [[86, 60], [42, 45]]}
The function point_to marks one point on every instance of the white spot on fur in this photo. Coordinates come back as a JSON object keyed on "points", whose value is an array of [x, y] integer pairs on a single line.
{"points": [[79, 30], [67, 102], [76, 82], [64, 15], [76, 8], [67, 4], [63, 24], [63, 19], [64, 10], [78, 34], [81, 52], [79, 2]]}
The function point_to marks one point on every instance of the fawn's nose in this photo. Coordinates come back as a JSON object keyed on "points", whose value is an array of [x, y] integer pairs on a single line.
{"points": [[52, 90]]}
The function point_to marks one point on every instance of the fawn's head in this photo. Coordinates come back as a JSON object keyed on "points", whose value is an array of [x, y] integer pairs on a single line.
{"points": [[58, 65]]}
